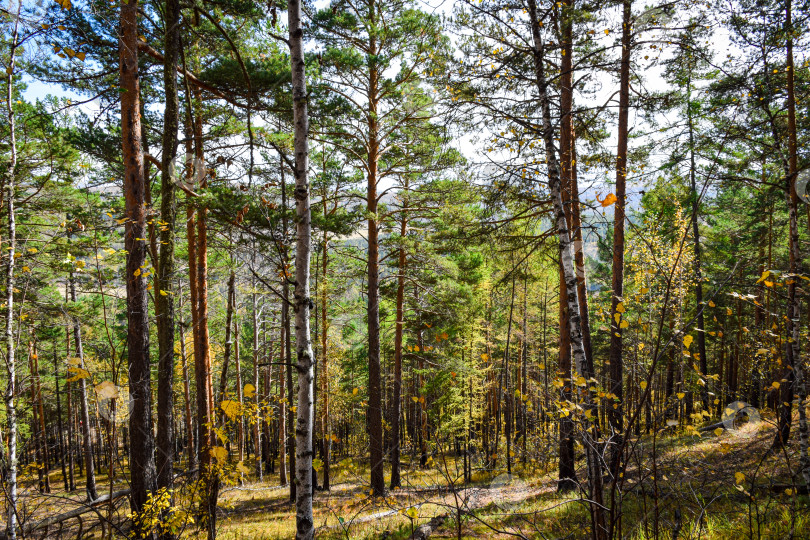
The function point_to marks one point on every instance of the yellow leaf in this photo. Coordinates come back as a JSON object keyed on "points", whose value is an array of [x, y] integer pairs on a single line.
{"points": [[718, 431], [81, 56], [609, 199], [617, 317], [137, 272], [687, 341], [764, 276], [607, 32], [26, 269], [739, 477], [775, 385], [643, 385], [681, 395], [788, 492], [355, 391], [620, 307], [624, 324], [78, 374], [711, 304], [250, 391], [230, 408], [728, 311], [219, 453], [415, 399]]}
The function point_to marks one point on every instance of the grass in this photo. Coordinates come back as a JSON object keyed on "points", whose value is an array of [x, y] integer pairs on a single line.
{"points": [[699, 493]]}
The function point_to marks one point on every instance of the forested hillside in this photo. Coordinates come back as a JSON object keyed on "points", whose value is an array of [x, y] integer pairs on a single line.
{"points": [[404, 269]]}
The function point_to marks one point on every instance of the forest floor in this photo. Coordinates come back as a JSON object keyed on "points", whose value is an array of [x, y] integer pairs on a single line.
{"points": [[707, 485]]}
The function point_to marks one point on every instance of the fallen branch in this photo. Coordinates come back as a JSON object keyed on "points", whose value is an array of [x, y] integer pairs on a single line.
{"points": [[76, 512]]}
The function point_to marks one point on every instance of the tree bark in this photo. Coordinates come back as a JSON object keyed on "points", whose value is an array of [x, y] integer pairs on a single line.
{"points": [[396, 402], [302, 300], [87, 440], [567, 260], [794, 307], [142, 444], [375, 430], [11, 362], [615, 413], [326, 427], [164, 296]]}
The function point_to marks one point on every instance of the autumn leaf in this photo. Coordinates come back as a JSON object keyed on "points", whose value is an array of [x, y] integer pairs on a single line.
{"points": [[609, 199], [687, 341], [739, 477], [219, 453], [230, 408], [249, 391]]}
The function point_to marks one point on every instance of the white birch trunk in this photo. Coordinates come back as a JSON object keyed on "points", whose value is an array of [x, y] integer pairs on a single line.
{"points": [[302, 301], [11, 365]]}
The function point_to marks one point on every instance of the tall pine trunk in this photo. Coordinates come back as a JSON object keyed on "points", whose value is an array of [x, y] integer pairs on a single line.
{"points": [[615, 413], [396, 402], [374, 413], [142, 444], [164, 296]]}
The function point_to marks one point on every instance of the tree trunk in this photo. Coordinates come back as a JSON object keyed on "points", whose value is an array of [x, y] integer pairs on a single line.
{"points": [[192, 453], [36, 386], [87, 440], [793, 310], [164, 296], [615, 413], [226, 360], [326, 427], [11, 362], [257, 430], [303, 302], [508, 395], [142, 444], [396, 402], [240, 434], [695, 196], [374, 413], [59, 424], [567, 261]]}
